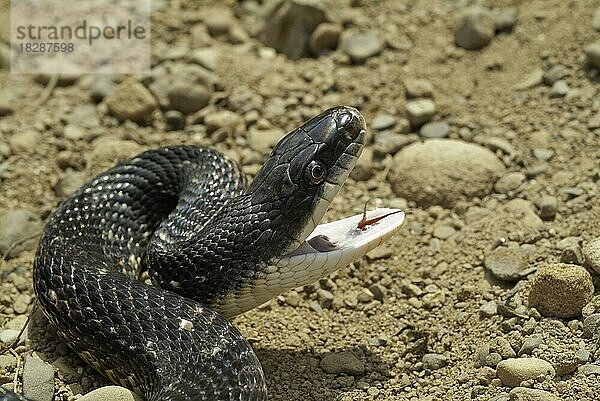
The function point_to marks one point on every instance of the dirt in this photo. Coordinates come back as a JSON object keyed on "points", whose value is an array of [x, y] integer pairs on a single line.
{"points": [[434, 287]]}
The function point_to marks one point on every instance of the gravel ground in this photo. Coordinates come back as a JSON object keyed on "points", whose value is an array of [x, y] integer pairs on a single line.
{"points": [[484, 125]]}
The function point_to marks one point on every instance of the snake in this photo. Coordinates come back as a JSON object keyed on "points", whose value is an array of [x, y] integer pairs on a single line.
{"points": [[211, 247]]}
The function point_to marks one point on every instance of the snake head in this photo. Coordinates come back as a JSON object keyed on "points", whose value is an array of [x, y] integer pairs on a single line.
{"points": [[306, 169]]}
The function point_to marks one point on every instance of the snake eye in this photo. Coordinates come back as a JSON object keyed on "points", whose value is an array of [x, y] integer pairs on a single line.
{"points": [[315, 172]]}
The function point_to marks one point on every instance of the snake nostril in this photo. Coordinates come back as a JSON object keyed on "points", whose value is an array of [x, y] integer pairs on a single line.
{"points": [[349, 124]]}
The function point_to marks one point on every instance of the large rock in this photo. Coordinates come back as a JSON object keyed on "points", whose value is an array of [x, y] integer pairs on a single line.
{"points": [[443, 171], [289, 24], [561, 290], [38, 379]]}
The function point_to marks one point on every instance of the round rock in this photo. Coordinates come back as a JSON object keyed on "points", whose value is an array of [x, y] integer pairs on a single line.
{"points": [[361, 46], [130, 100], [188, 98], [561, 290], [515, 370], [531, 394], [113, 393], [15, 226], [435, 129], [474, 28], [591, 254], [592, 52], [428, 172], [420, 111], [342, 362], [324, 39]]}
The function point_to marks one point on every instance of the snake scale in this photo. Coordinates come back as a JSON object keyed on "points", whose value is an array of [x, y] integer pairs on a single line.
{"points": [[213, 248]]}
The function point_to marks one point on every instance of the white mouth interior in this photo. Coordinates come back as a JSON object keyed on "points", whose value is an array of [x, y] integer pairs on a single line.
{"points": [[336, 244]]}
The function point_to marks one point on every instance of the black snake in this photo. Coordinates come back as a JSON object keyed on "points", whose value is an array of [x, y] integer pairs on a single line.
{"points": [[213, 248]]}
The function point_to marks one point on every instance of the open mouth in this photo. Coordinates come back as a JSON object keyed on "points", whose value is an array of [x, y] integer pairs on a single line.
{"points": [[338, 243]]}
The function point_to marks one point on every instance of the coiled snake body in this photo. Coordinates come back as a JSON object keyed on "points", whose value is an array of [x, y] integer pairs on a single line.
{"points": [[213, 248]]}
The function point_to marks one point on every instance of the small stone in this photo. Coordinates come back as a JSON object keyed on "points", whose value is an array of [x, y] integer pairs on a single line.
{"points": [[416, 88], [315, 306], [365, 296], [25, 141], [383, 121], [474, 28], [531, 394], [6, 108], [325, 298], [596, 19], [559, 89], [188, 97], [363, 170], [388, 143], [543, 154], [112, 393], [38, 379], [591, 326], [583, 355], [381, 252], [15, 227], [492, 359], [292, 298], [589, 369], [548, 207], [207, 57], [502, 346], [434, 361], [572, 255], [74, 132], [509, 182], [592, 52], [516, 370], [218, 20], [591, 254], [594, 121], [264, 140], [420, 111], [561, 290], [531, 343], [288, 26], [130, 100], [379, 291], [488, 309], [342, 362], [443, 231], [175, 120], [324, 38], [435, 129], [361, 46], [555, 73], [533, 79], [9, 336], [508, 264]]}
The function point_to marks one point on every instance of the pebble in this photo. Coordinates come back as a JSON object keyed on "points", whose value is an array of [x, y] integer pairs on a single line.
{"points": [[218, 20], [434, 361], [443, 231], [9, 336], [596, 19], [264, 140], [591, 254], [559, 89], [188, 97], [383, 121], [416, 88], [488, 309], [222, 119], [130, 100], [504, 19], [342, 362], [592, 52], [15, 226], [363, 170], [435, 129], [24, 142], [474, 28], [324, 38], [361, 46], [175, 120], [572, 255], [424, 172], [589, 369], [591, 326], [555, 73], [289, 26], [387, 143], [502, 346], [594, 121], [543, 154], [38, 379], [379, 291], [531, 80], [561, 290], [420, 111], [531, 394], [325, 298], [112, 393], [381, 252], [516, 370], [531, 343], [509, 182], [292, 298], [207, 57], [6, 108]]}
